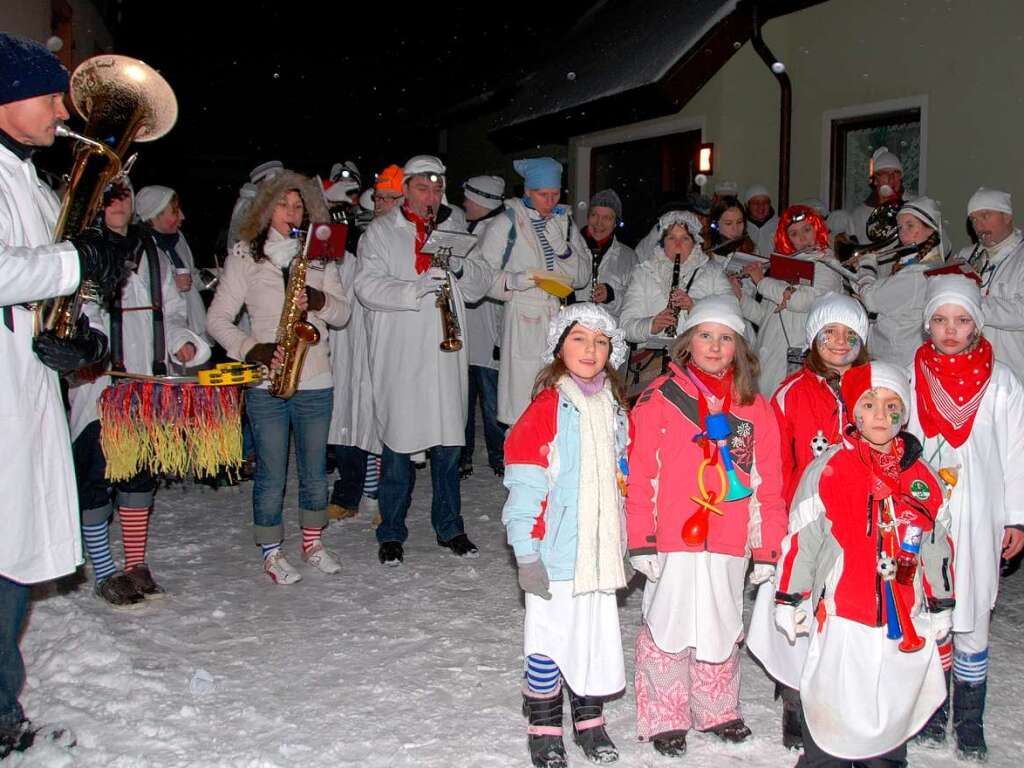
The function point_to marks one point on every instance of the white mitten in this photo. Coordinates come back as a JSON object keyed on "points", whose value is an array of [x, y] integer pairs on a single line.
{"points": [[519, 281], [792, 621], [761, 573], [942, 623], [648, 565], [430, 281]]}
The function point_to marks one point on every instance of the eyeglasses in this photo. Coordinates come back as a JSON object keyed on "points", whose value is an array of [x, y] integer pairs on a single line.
{"points": [[378, 198]]}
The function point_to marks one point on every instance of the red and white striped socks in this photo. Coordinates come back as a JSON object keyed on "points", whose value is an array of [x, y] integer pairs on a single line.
{"points": [[310, 538], [134, 532]]}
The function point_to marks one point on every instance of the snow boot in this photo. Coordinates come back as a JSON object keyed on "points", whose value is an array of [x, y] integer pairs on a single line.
{"points": [[792, 717], [968, 709], [733, 731], [670, 743], [934, 731], [588, 729], [544, 734]]}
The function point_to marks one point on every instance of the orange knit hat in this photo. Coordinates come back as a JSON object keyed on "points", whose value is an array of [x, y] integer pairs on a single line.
{"points": [[390, 179]]}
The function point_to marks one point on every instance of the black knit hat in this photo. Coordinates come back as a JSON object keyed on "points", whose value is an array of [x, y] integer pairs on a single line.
{"points": [[28, 69]]}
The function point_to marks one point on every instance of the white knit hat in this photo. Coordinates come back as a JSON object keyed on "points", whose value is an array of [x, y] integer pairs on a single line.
{"points": [[267, 170], [421, 165], [882, 159], [151, 200], [589, 316], [861, 378], [836, 308], [990, 200], [756, 190], [366, 200], [925, 210], [817, 204], [953, 289], [685, 218], [723, 308], [723, 188], [487, 191]]}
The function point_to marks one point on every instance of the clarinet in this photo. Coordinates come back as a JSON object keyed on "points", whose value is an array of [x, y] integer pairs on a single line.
{"points": [[671, 330]]}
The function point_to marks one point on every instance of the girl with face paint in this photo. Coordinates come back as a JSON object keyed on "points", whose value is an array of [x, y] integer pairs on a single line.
{"points": [[968, 410], [811, 417]]}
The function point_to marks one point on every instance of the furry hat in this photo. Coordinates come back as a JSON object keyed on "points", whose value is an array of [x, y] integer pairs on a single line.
{"points": [[589, 316], [257, 217]]}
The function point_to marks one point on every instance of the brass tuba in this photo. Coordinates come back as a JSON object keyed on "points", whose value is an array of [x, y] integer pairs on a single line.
{"points": [[882, 232], [122, 100]]}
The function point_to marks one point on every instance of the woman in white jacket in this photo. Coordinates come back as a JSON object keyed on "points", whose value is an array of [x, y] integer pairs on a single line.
{"points": [[968, 412], [255, 275], [782, 314], [663, 289]]}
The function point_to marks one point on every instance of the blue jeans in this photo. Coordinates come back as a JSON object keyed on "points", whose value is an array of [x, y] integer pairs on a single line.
{"points": [[397, 478], [307, 413], [13, 607], [483, 385], [351, 463]]}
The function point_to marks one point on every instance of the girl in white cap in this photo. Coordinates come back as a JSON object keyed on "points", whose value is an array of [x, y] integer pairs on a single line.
{"points": [[811, 416], [899, 298], [565, 471], [968, 409], [866, 572], [705, 499]]}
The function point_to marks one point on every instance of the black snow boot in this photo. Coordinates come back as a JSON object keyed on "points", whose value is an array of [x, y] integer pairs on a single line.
{"points": [[588, 729], [792, 717], [544, 734], [934, 731], [670, 743], [968, 709]]}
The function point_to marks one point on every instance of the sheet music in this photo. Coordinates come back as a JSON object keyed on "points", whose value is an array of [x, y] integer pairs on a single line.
{"points": [[458, 243]]}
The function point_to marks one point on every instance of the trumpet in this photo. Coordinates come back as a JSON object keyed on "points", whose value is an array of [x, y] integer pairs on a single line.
{"points": [[451, 330]]}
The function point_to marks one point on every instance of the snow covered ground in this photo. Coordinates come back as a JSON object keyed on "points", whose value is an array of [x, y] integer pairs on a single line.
{"points": [[414, 666]]}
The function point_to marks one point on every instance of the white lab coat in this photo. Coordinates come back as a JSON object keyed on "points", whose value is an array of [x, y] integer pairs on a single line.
{"points": [[41, 538], [616, 267], [420, 393], [989, 492], [528, 313]]}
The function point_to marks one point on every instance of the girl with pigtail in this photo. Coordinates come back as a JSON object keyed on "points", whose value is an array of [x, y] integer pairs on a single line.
{"points": [[565, 471]]}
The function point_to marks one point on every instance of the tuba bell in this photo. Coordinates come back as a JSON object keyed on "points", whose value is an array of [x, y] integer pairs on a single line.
{"points": [[883, 236], [121, 100]]}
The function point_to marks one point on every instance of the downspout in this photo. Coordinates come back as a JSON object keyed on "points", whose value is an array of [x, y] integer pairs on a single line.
{"points": [[778, 70]]}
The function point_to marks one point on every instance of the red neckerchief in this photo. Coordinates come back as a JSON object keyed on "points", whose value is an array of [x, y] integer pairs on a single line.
{"points": [[885, 467], [597, 245], [422, 259], [949, 389], [720, 387]]}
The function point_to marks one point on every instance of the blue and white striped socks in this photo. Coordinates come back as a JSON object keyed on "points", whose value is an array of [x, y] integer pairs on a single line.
{"points": [[269, 549], [97, 544], [371, 483], [970, 667], [542, 675]]}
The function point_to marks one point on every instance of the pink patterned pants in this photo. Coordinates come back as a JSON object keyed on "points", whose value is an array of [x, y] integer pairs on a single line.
{"points": [[675, 692]]}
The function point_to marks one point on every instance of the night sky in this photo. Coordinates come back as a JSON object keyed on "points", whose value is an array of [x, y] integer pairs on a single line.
{"points": [[311, 84]]}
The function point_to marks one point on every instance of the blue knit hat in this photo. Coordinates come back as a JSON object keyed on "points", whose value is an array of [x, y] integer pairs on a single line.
{"points": [[28, 69], [539, 172]]}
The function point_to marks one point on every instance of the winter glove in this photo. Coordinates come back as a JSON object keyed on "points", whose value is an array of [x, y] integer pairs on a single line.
{"points": [[648, 565], [430, 281], [533, 576], [519, 281], [87, 347], [281, 252], [942, 623], [316, 299], [262, 354], [102, 259], [761, 573], [792, 621]]}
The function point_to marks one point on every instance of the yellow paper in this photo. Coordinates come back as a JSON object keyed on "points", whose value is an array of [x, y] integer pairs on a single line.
{"points": [[554, 283]]}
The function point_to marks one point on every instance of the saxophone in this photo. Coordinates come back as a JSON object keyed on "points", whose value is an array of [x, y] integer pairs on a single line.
{"points": [[451, 331], [295, 334]]}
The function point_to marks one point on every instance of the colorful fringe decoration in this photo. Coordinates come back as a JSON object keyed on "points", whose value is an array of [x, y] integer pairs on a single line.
{"points": [[171, 429]]}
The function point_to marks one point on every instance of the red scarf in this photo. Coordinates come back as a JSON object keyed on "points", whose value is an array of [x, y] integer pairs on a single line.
{"points": [[422, 259], [949, 389], [885, 467]]}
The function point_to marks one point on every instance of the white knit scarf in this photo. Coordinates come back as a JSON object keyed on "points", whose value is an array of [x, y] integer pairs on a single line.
{"points": [[599, 554]]}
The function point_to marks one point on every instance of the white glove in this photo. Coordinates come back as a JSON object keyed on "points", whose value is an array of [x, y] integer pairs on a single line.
{"points": [[761, 573], [942, 623], [281, 252], [648, 565], [792, 621], [519, 281], [430, 281]]}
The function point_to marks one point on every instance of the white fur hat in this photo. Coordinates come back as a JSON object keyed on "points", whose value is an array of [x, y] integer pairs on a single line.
{"points": [[590, 316], [686, 219], [953, 289], [882, 159], [836, 308], [488, 191], [724, 309], [151, 200], [756, 190], [990, 200]]}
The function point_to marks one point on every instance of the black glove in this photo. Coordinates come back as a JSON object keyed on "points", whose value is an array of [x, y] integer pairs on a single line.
{"points": [[261, 354], [316, 298], [87, 347], [102, 259]]}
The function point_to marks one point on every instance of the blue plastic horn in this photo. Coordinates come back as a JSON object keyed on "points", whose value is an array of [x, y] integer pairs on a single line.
{"points": [[716, 427]]}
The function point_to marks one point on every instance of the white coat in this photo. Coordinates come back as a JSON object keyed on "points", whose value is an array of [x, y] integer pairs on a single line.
{"points": [[483, 319], [528, 313], [989, 492], [137, 332], [420, 393], [1002, 299], [763, 236], [779, 331], [649, 288], [615, 269], [41, 538], [352, 420], [898, 300], [195, 309]]}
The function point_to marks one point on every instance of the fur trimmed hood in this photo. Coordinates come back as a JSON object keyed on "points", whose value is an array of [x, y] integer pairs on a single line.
{"points": [[269, 191]]}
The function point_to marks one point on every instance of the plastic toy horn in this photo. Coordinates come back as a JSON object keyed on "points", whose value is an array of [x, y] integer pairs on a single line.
{"points": [[716, 427], [695, 529]]}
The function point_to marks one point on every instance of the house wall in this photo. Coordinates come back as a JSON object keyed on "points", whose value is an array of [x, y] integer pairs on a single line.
{"points": [[32, 19]]}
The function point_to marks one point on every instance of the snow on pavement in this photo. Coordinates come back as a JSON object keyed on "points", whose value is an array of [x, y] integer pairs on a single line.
{"points": [[413, 666]]}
